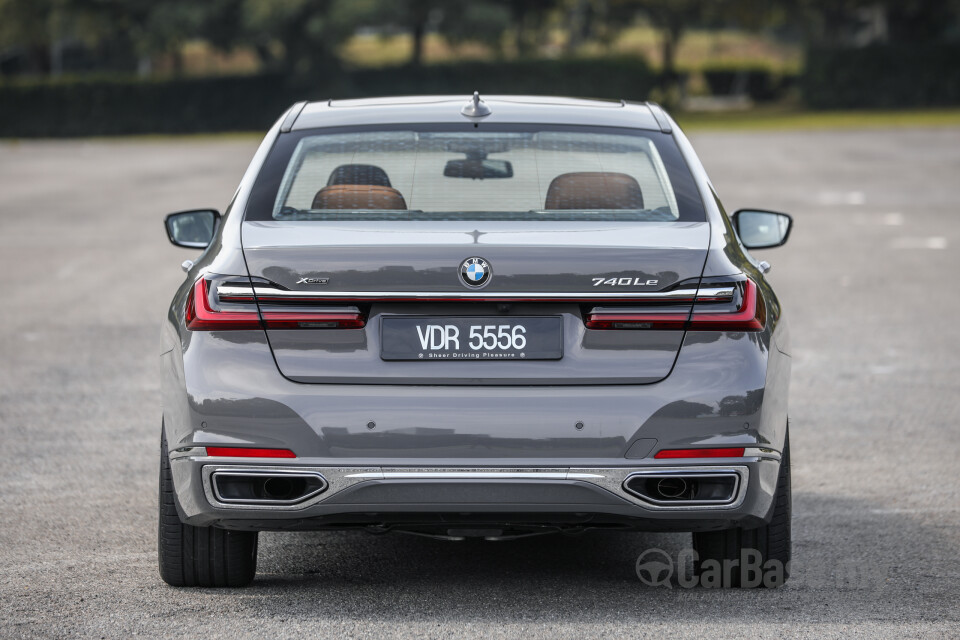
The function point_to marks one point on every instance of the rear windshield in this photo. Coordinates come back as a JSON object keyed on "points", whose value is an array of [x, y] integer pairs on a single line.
{"points": [[484, 173]]}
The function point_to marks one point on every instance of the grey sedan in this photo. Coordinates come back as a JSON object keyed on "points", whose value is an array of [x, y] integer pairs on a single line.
{"points": [[475, 317]]}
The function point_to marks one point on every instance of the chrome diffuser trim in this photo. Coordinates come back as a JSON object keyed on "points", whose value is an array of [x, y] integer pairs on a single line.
{"points": [[761, 452], [611, 479], [186, 452]]}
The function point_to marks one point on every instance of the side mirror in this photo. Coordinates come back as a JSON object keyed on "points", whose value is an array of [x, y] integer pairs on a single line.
{"points": [[192, 229], [762, 229]]}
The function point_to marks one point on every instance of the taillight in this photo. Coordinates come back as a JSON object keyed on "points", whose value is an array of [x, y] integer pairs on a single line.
{"points": [[711, 312], [699, 453], [201, 316], [246, 452], [750, 316]]}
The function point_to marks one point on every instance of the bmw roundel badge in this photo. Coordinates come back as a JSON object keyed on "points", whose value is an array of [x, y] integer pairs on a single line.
{"points": [[475, 272]]}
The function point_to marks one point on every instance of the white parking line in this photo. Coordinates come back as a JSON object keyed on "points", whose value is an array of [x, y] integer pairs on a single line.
{"points": [[893, 219], [841, 197], [917, 510], [933, 242], [883, 369]]}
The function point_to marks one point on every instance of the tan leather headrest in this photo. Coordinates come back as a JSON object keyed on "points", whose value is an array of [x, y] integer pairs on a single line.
{"points": [[359, 174], [358, 196], [594, 190]]}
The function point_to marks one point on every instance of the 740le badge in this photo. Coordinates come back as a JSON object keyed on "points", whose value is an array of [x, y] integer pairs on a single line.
{"points": [[624, 282]]}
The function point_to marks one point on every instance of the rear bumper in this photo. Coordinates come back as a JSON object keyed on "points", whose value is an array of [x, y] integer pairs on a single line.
{"points": [[385, 496], [575, 445]]}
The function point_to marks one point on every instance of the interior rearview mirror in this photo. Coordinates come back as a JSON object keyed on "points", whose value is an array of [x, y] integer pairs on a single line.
{"points": [[192, 229], [478, 169], [759, 229]]}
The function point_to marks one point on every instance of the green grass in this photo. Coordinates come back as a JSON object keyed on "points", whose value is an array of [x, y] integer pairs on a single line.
{"points": [[779, 119], [698, 48]]}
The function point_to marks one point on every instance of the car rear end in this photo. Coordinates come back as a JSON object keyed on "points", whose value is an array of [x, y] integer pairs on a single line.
{"points": [[467, 328]]}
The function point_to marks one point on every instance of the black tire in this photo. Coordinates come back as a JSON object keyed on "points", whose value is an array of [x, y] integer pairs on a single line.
{"points": [[199, 556], [767, 547]]}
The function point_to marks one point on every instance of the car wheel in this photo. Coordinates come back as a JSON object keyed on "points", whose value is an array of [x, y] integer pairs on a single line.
{"points": [[200, 556], [750, 558]]}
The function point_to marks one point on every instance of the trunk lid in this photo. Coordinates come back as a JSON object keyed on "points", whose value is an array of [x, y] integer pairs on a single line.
{"points": [[411, 271]]}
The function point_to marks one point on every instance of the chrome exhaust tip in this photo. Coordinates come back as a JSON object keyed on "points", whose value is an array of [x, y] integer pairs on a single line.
{"points": [[258, 487], [684, 488]]}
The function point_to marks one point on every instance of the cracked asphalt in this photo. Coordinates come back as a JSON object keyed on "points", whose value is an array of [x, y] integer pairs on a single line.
{"points": [[868, 281]]}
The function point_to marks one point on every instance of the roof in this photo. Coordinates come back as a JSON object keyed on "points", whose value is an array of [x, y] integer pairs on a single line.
{"points": [[504, 109]]}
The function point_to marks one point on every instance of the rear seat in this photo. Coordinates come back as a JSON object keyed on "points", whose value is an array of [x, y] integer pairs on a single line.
{"points": [[594, 190], [358, 196]]}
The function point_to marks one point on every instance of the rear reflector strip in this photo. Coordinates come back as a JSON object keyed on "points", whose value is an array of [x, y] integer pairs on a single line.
{"points": [[200, 316], [319, 320], [699, 453], [243, 452], [636, 320]]}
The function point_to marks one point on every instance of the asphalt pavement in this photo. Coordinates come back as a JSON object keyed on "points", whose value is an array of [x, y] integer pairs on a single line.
{"points": [[869, 284]]}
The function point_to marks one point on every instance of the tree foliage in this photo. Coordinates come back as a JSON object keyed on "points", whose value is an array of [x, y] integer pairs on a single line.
{"points": [[303, 37]]}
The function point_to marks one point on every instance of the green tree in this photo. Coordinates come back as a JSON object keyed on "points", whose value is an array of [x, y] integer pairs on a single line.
{"points": [[297, 37], [529, 19], [27, 24], [836, 22], [481, 21], [166, 27], [598, 20], [309, 31], [413, 16], [672, 18]]}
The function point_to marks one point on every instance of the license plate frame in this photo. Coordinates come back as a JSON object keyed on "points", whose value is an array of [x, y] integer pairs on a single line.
{"points": [[416, 338]]}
